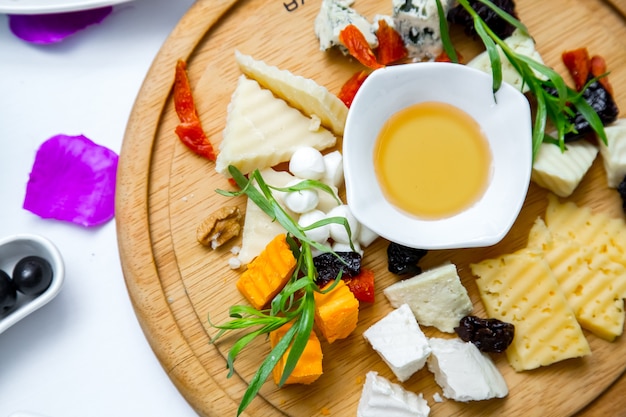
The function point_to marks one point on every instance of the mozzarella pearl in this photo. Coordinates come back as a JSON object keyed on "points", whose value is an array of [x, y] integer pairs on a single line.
{"points": [[307, 163]]}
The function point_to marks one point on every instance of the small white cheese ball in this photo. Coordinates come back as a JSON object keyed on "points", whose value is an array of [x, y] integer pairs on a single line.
{"points": [[308, 163], [366, 236], [337, 231], [301, 201], [319, 234], [333, 163]]}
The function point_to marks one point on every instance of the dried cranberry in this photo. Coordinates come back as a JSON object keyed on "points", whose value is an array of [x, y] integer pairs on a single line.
{"points": [[328, 266], [489, 335]]}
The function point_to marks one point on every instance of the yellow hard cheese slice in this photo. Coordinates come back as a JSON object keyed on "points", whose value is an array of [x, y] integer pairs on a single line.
{"points": [[520, 288], [262, 130], [598, 230], [593, 285], [302, 93]]}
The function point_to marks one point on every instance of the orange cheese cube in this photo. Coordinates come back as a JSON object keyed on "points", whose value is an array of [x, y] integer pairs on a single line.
{"points": [[336, 312], [309, 366], [268, 273]]}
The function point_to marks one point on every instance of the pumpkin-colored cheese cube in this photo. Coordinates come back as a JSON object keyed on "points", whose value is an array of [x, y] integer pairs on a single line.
{"points": [[309, 366], [268, 273], [336, 312]]}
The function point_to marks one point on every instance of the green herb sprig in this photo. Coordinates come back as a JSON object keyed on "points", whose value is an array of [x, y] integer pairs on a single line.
{"points": [[295, 302], [539, 78]]}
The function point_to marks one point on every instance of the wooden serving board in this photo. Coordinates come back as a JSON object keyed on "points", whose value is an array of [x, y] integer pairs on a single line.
{"points": [[164, 192]]}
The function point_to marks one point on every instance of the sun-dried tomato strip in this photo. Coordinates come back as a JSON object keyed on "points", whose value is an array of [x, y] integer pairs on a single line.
{"points": [[390, 44], [578, 64], [349, 89], [443, 57], [352, 38], [599, 68], [189, 130]]}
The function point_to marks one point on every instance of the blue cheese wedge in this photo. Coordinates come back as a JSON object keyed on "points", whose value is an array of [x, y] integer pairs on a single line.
{"points": [[521, 44], [400, 342], [561, 172], [381, 397], [333, 17], [417, 21], [436, 297], [614, 152], [463, 372]]}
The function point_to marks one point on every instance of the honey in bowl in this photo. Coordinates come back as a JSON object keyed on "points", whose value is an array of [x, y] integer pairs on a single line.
{"points": [[432, 160]]}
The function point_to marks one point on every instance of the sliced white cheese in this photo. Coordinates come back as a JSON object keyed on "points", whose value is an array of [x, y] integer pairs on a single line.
{"points": [[262, 130], [417, 21], [561, 172], [302, 93], [400, 342], [436, 297], [258, 227], [614, 152], [333, 17], [381, 397], [519, 43], [463, 372]]}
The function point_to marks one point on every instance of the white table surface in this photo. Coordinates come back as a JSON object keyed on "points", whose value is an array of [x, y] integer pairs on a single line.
{"points": [[83, 354]]}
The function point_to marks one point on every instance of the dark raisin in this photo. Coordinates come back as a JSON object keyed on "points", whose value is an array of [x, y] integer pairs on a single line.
{"points": [[489, 335], [402, 260], [621, 189], [499, 26], [329, 265]]}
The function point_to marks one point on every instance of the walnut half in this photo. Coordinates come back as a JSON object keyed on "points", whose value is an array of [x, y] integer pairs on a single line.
{"points": [[221, 226]]}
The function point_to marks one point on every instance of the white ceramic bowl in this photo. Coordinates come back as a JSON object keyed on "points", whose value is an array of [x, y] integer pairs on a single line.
{"points": [[14, 248], [505, 119]]}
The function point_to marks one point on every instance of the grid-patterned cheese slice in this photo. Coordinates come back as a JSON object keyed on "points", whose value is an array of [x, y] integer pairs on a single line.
{"points": [[262, 130], [302, 93], [561, 172], [593, 284], [598, 230], [520, 288]]}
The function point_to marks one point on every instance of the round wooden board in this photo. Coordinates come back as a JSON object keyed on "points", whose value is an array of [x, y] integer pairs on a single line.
{"points": [[164, 192]]}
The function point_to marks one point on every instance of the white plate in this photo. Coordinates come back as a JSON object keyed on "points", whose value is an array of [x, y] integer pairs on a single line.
{"points": [[52, 6]]}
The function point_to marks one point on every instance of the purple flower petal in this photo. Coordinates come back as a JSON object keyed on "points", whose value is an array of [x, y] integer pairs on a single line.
{"points": [[73, 179], [51, 28]]}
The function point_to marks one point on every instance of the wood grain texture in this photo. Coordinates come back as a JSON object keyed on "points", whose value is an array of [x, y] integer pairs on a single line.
{"points": [[164, 192]]}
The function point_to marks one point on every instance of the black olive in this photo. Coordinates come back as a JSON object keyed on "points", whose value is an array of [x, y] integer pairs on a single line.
{"points": [[8, 294], [489, 335], [328, 266], [32, 275]]}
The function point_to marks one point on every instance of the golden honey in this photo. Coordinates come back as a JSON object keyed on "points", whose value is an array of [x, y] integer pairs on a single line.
{"points": [[432, 160]]}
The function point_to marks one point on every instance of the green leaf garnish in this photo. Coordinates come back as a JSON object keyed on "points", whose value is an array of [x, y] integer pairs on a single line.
{"points": [[539, 78], [295, 303]]}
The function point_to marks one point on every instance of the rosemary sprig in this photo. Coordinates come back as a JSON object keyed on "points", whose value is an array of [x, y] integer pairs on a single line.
{"points": [[554, 99], [295, 302]]}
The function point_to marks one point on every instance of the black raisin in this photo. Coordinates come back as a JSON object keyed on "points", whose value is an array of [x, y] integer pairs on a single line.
{"points": [[329, 265], [402, 260], [621, 189], [499, 26], [489, 335]]}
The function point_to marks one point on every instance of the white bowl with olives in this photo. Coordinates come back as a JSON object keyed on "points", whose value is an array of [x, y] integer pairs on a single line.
{"points": [[31, 274], [434, 159]]}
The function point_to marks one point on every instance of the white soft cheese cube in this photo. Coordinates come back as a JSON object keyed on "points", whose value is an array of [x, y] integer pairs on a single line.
{"points": [[381, 397], [437, 297], [561, 172], [614, 152], [400, 342], [463, 372]]}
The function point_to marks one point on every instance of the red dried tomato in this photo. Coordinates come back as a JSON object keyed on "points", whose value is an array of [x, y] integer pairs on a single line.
{"points": [[390, 44], [598, 68], [578, 64], [352, 38], [362, 285], [189, 130], [443, 57], [349, 89]]}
